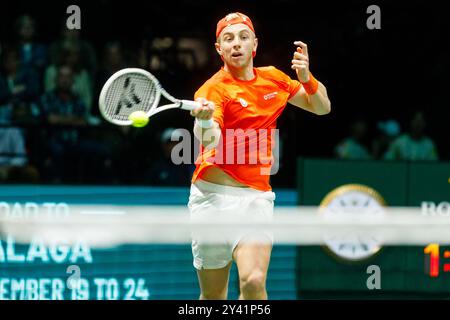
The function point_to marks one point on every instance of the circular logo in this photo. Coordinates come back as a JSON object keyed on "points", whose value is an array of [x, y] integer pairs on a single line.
{"points": [[243, 102], [352, 199]]}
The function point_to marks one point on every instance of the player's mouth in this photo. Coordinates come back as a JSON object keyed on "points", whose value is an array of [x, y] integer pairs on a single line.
{"points": [[236, 55]]}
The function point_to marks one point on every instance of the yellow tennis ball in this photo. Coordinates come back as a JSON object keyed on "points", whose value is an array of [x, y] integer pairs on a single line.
{"points": [[139, 119]]}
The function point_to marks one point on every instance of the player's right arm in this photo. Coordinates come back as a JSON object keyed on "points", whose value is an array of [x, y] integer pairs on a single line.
{"points": [[208, 137]]}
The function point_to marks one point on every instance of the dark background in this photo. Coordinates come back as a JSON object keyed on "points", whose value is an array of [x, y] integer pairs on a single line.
{"points": [[374, 74]]}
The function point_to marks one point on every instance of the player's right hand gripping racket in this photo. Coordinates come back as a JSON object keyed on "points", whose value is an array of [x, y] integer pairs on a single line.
{"points": [[132, 89]]}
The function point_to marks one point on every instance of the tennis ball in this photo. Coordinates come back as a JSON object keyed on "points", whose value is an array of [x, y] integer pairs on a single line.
{"points": [[138, 118]]}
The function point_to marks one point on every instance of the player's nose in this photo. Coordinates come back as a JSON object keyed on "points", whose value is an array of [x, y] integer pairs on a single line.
{"points": [[237, 43]]}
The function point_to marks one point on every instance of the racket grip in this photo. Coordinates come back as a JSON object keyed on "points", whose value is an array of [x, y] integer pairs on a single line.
{"points": [[189, 104]]}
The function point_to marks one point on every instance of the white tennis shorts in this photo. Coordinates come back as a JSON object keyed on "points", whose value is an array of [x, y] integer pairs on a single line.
{"points": [[208, 202]]}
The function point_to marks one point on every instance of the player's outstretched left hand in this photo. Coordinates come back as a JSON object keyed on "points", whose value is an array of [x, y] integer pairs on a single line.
{"points": [[300, 61]]}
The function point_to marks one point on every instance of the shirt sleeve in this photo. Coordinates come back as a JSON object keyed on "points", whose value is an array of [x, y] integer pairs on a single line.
{"points": [[214, 93], [287, 83]]}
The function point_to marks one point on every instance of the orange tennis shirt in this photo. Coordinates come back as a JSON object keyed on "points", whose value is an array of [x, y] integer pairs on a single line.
{"points": [[246, 112]]}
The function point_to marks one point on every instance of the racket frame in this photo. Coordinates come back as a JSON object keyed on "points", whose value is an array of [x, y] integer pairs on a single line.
{"points": [[159, 90]]}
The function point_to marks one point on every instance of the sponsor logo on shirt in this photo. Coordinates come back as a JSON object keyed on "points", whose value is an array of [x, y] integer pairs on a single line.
{"points": [[270, 95]]}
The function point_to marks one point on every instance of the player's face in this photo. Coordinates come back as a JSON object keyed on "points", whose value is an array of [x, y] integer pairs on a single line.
{"points": [[236, 44]]}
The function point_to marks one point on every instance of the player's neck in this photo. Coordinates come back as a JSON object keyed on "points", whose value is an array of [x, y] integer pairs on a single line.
{"points": [[245, 74]]}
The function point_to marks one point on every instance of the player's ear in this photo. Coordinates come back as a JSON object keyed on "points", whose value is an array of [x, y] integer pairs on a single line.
{"points": [[218, 48], [255, 46]]}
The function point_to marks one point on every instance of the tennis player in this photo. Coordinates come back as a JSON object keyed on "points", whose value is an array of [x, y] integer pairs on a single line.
{"points": [[240, 97]]}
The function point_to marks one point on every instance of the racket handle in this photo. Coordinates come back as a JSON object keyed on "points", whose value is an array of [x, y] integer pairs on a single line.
{"points": [[189, 104]]}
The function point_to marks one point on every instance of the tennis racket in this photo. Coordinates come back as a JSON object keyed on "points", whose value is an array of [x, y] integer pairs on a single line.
{"points": [[132, 89]]}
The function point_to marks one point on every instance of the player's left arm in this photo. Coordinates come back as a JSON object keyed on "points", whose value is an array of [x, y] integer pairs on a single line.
{"points": [[317, 102]]}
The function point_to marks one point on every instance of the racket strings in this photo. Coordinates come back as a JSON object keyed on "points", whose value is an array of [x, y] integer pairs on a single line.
{"points": [[129, 93]]}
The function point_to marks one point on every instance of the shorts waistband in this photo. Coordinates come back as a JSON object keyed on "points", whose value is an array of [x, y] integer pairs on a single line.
{"points": [[237, 191]]}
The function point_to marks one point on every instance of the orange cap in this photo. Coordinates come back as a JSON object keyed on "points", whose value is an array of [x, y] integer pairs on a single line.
{"points": [[233, 18]]}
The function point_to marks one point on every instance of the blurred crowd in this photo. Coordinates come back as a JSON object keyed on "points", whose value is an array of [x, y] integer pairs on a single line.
{"points": [[51, 131], [390, 143]]}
